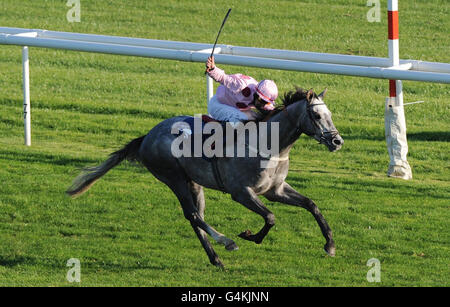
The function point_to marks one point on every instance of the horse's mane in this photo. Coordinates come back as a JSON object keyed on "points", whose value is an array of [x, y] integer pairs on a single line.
{"points": [[290, 98], [294, 96]]}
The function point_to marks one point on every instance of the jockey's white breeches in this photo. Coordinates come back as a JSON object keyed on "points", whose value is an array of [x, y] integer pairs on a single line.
{"points": [[224, 112]]}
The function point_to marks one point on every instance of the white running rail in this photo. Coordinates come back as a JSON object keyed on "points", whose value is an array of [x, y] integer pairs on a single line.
{"points": [[391, 68]]}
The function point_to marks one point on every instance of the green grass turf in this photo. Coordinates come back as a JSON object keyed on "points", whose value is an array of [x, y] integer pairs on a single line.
{"points": [[129, 229]]}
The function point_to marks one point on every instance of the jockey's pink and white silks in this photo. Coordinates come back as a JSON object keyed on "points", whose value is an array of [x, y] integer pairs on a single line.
{"points": [[225, 112], [234, 97]]}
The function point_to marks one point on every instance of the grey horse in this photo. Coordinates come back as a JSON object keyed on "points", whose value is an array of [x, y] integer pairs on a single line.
{"points": [[242, 177]]}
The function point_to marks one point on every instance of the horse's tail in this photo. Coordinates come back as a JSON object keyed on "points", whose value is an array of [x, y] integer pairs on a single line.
{"points": [[90, 175]]}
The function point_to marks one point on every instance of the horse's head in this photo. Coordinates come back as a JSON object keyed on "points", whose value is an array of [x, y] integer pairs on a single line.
{"points": [[318, 123]]}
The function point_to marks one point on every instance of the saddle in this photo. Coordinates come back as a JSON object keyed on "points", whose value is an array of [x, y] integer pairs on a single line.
{"points": [[204, 120]]}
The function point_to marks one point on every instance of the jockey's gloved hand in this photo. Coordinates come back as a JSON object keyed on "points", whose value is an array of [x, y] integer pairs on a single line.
{"points": [[210, 65]]}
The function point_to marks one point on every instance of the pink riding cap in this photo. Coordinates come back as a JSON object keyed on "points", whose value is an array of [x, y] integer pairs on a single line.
{"points": [[267, 90]]}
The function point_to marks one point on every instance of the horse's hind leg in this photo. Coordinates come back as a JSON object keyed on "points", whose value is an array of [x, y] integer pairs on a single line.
{"points": [[199, 200], [287, 195], [181, 189]]}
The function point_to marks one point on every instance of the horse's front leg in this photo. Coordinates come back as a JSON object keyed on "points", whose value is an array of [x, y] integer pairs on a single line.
{"points": [[287, 195], [249, 199]]}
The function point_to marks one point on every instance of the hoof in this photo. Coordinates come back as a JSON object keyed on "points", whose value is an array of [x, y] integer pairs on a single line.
{"points": [[218, 264], [245, 235], [330, 250], [231, 247]]}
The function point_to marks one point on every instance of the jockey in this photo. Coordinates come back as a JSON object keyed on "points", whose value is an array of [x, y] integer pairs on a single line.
{"points": [[239, 97]]}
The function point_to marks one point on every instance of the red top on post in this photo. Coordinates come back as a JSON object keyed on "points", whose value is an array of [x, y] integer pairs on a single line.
{"points": [[393, 24]]}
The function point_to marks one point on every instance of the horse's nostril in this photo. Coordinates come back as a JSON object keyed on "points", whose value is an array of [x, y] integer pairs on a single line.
{"points": [[337, 142]]}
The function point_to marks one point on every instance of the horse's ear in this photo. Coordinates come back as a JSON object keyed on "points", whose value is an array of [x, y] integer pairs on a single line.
{"points": [[310, 95], [322, 95]]}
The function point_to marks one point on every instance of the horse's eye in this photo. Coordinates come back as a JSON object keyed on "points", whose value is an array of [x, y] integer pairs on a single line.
{"points": [[317, 116]]}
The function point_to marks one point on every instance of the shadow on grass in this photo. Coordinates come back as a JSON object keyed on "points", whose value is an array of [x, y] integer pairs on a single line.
{"points": [[14, 261], [439, 136], [364, 137], [77, 163], [89, 263], [389, 187], [436, 136], [91, 109], [34, 157]]}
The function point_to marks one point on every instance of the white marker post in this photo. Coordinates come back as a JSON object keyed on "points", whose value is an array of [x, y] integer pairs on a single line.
{"points": [[394, 119], [26, 96], [209, 80], [209, 88]]}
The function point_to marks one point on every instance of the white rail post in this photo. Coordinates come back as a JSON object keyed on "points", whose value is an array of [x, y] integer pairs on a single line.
{"points": [[209, 80], [394, 116], [26, 95], [209, 88]]}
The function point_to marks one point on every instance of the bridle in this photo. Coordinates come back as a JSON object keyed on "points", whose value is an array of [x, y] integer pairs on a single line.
{"points": [[323, 139]]}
